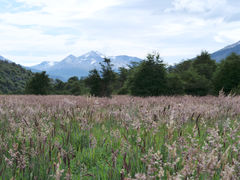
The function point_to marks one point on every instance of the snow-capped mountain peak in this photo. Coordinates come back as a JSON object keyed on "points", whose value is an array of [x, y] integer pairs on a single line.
{"points": [[69, 59], [44, 63], [71, 56], [43, 66], [92, 54], [95, 53], [80, 66]]}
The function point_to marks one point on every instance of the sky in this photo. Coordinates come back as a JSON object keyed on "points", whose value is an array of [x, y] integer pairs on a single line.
{"points": [[32, 31]]}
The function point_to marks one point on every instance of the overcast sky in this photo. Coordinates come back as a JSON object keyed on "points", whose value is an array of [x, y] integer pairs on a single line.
{"points": [[32, 31]]}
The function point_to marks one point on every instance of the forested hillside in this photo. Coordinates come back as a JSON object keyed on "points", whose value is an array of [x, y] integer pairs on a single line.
{"points": [[13, 78]]}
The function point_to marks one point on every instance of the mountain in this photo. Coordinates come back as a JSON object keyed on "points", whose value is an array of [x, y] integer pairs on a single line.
{"points": [[39, 71], [80, 66], [4, 59], [13, 77], [223, 53]]}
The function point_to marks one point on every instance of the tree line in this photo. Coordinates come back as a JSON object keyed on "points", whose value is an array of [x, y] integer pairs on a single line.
{"points": [[151, 77]]}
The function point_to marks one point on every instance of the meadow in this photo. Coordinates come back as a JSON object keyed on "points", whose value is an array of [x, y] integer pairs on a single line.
{"points": [[123, 137]]}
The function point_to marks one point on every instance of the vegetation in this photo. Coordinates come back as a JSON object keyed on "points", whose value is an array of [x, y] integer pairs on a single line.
{"points": [[94, 82], [227, 76], [39, 84], [124, 137], [196, 75], [102, 84], [108, 77], [151, 77], [73, 86], [13, 78], [69, 137]]}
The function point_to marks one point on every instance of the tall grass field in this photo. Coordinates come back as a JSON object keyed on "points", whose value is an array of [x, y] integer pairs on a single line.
{"points": [[119, 138]]}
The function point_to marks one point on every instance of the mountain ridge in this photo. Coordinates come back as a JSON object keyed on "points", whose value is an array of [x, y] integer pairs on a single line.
{"points": [[5, 59], [94, 58], [226, 51], [81, 65]]}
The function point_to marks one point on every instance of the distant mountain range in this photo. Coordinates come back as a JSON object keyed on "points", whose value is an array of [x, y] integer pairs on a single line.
{"points": [[80, 66]]}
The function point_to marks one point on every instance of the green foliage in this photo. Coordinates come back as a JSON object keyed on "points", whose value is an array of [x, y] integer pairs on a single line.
{"points": [[175, 85], [227, 76], [13, 78], [200, 76], [108, 77], [195, 84], [182, 66], [58, 86], [196, 74], [204, 65], [101, 84], [94, 82], [149, 78], [39, 84], [73, 86], [122, 76]]}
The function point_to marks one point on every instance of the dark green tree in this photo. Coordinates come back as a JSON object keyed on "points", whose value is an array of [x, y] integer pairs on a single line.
{"points": [[39, 84], [94, 83], [108, 77], [195, 84], [76, 88], [58, 86], [149, 78], [227, 76], [196, 74], [122, 77], [182, 66], [175, 85], [204, 65], [73, 86]]}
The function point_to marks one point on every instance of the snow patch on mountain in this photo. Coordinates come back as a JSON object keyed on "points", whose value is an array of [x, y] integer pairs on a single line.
{"points": [[80, 66]]}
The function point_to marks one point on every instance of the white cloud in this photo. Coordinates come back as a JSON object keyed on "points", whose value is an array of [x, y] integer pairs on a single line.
{"points": [[229, 32], [59, 27], [57, 12], [198, 6], [34, 40], [73, 8]]}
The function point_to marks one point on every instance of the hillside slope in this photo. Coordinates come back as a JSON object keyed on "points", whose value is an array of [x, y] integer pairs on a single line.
{"points": [[13, 78], [225, 52]]}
